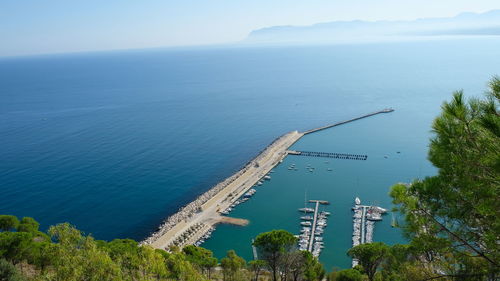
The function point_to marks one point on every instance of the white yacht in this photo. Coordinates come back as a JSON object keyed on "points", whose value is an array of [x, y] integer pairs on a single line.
{"points": [[306, 210]]}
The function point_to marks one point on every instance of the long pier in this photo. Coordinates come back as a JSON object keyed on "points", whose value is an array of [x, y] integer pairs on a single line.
{"points": [[386, 110], [205, 210], [313, 228]]}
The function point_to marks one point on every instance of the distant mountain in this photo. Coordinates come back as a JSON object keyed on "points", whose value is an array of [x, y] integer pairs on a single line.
{"points": [[487, 23]]}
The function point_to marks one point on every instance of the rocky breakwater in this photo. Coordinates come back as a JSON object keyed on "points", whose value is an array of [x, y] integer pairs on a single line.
{"points": [[188, 212]]}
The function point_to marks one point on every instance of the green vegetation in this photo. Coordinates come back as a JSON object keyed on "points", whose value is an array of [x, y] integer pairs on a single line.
{"points": [[370, 256], [277, 249], [451, 219], [346, 275], [451, 223], [273, 246], [8, 222], [202, 258], [9, 272], [257, 266], [64, 253], [232, 266]]}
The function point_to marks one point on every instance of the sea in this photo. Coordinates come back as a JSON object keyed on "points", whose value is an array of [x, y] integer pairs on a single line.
{"points": [[114, 142]]}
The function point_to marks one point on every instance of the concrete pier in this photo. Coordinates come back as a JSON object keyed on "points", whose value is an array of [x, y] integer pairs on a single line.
{"points": [[363, 224], [313, 228], [386, 110]]}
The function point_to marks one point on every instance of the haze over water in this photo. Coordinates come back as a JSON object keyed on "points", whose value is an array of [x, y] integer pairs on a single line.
{"points": [[114, 142]]}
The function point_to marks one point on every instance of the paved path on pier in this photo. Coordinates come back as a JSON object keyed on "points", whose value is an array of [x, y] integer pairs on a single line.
{"points": [[387, 110], [313, 228], [363, 224]]}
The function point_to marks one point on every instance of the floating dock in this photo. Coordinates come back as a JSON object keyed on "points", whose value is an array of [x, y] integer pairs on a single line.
{"points": [[329, 155]]}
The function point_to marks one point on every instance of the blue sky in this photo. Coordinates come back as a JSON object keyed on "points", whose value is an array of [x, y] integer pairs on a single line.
{"points": [[57, 26]]}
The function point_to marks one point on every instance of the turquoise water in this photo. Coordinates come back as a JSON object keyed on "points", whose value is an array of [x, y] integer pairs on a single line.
{"points": [[114, 142], [278, 200]]}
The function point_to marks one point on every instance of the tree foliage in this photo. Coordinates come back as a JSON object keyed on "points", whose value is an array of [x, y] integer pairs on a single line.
{"points": [[346, 275], [202, 258], [277, 248], [8, 222], [232, 265], [28, 224], [452, 219], [370, 256], [8, 272], [69, 255], [256, 266], [272, 246]]}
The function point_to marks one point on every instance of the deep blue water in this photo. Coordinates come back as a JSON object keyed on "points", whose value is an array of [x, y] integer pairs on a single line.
{"points": [[114, 142]]}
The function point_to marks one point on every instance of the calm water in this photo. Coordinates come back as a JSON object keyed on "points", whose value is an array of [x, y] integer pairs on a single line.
{"points": [[115, 142], [278, 200]]}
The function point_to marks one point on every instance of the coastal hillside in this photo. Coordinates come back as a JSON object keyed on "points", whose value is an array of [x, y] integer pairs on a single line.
{"points": [[487, 23]]}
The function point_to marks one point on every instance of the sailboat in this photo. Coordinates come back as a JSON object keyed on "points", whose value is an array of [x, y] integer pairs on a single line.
{"points": [[306, 209]]}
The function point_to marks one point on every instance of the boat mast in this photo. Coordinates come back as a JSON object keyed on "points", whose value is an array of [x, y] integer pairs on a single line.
{"points": [[305, 201]]}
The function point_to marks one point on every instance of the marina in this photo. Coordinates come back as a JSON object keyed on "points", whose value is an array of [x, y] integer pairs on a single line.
{"points": [[276, 203], [364, 223], [220, 200]]}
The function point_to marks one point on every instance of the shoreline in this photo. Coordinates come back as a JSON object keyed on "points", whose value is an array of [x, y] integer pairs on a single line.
{"points": [[195, 219]]}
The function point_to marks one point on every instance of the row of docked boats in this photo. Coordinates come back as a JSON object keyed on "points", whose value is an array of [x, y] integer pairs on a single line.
{"points": [[266, 177], [364, 219], [241, 200], [190, 234], [245, 197], [311, 233], [205, 237], [321, 224]]}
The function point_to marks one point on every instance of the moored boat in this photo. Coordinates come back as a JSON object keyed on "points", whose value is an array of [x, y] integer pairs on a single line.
{"points": [[357, 201]]}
